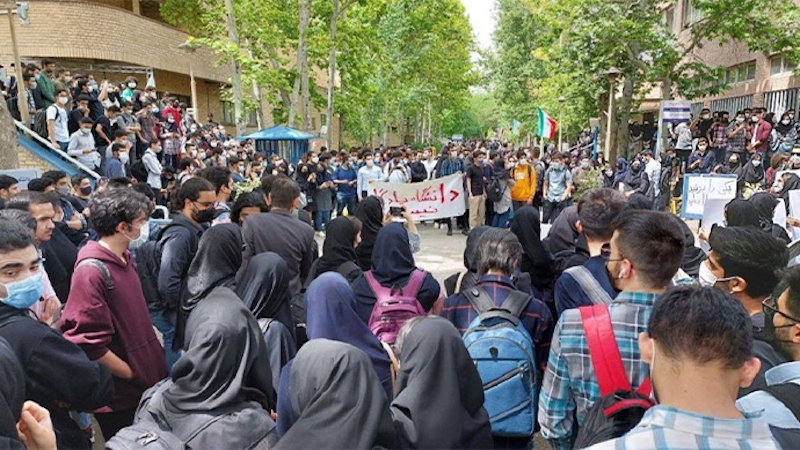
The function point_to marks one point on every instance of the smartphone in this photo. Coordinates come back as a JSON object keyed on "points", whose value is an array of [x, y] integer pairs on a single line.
{"points": [[396, 211]]}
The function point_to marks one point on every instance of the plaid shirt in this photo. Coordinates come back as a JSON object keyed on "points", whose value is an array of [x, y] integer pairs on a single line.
{"points": [[536, 318], [449, 167], [737, 143], [719, 134], [570, 383], [664, 427]]}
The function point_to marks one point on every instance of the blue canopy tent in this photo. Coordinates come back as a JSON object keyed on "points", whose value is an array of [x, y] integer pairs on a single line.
{"points": [[288, 143]]}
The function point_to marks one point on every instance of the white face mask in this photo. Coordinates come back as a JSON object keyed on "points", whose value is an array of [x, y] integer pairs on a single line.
{"points": [[86, 131], [124, 157], [707, 278], [144, 236], [131, 85], [63, 100], [756, 162]]}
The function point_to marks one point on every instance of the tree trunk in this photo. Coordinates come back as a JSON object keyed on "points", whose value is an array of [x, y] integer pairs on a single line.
{"points": [[331, 74], [302, 61], [233, 35], [666, 94], [8, 140], [623, 117]]}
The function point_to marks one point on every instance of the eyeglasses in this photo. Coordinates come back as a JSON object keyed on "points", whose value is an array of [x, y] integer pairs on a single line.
{"points": [[771, 308], [206, 205]]}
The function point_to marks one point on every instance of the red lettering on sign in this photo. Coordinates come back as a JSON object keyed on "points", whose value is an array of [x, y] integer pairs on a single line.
{"points": [[454, 195]]}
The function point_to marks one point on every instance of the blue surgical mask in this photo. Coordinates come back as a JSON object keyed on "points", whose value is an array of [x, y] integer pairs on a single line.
{"points": [[24, 293]]}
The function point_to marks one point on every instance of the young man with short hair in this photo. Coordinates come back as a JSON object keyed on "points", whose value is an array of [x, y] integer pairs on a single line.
{"points": [[588, 284], [106, 314], [153, 167], [698, 347], [57, 129], [369, 172], [223, 183], [476, 189], [9, 187], [745, 262], [83, 189], [524, 176], [114, 165], [82, 146], [557, 188], [646, 250], [345, 177]]}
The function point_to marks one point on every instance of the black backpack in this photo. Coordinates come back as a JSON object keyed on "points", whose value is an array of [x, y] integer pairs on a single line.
{"points": [[789, 395], [139, 171], [496, 188], [620, 408], [148, 264]]}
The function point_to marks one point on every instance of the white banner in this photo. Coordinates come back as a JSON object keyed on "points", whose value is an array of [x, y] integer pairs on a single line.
{"points": [[427, 200]]}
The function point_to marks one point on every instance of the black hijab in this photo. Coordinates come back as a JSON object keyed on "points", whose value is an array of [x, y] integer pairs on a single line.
{"points": [[393, 260], [218, 258], [764, 204], [337, 399], [535, 259], [753, 174], [741, 213], [370, 213], [12, 396], [438, 393], [340, 234], [471, 251], [264, 289], [693, 256], [225, 361], [791, 183]]}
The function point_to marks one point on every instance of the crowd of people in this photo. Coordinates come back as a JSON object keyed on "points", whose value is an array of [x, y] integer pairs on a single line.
{"points": [[224, 325]]}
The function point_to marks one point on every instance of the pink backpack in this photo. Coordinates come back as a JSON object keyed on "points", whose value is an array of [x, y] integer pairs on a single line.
{"points": [[394, 306]]}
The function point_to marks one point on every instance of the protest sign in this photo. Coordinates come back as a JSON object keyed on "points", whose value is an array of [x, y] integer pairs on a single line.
{"points": [[713, 214], [699, 188], [794, 211], [22, 175], [780, 216], [427, 200]]}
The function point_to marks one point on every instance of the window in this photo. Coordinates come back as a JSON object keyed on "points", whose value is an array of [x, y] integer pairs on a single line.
{"points": [[669, 19], [741, 73], [229, 116], [691, 15], [780, 65]]}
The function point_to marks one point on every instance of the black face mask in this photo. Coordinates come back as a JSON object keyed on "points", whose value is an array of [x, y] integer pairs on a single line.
{"points": [[205, 215], [782, 346], [86, 190]]}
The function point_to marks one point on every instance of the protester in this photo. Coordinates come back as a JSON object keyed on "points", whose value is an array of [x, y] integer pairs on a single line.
{"points": [[476, 189], [557, 188], [427, 412], [338, 251], [366, 174], [745, 261], [524, 176], [465, 280], [646, 251], [697, 346], [313, 413], [765, 204], [393, 267], [370, 213], [9, 187], [345, 178], [535, 259]]}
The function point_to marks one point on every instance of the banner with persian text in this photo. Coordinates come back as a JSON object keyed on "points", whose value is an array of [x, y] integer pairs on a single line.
{"points": [[427, 200]]}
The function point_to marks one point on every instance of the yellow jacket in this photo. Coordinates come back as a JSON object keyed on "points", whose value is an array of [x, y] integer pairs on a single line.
{"points": [[525, 177]]}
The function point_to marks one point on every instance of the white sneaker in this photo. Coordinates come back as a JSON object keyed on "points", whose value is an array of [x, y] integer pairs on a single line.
{"points": [[436, 225]]}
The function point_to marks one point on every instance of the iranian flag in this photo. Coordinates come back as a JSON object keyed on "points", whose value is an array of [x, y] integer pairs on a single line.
{"points": [[547, 126]]}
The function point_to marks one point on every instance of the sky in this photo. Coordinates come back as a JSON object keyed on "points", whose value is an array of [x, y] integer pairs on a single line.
{"points": [[482, 17]]}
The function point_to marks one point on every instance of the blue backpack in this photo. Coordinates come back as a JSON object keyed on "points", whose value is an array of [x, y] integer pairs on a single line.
{"points": [[503, 352]]}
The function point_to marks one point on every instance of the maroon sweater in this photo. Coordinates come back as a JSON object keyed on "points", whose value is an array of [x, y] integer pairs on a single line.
{"points": [[99, 320]]}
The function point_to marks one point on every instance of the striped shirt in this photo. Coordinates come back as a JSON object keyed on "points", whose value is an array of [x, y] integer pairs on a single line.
{"points": [[570, 386], [663, 427], [536, 317]]}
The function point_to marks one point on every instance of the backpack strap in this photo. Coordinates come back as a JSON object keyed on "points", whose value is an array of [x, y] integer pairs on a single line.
{"points": [[603, 350], [487, 309], [414, 283], [516, 302], [101, 267], [460, 281], [589, 284], [376, 287], [788, 394]]}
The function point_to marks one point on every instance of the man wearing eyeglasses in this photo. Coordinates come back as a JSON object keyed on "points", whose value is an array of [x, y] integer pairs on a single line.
{"points": [[745, 262], [774, 404]]}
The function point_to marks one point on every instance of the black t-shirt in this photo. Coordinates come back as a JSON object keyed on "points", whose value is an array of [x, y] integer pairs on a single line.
{"points": [[476, 176], [704, 126], [74, 121], [108, 129]]}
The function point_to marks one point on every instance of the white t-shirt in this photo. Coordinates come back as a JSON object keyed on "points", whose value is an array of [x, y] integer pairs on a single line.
{"points": [[60, 129]]}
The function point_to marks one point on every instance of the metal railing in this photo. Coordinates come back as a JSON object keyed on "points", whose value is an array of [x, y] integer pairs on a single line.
{"points": [[48, 146]]}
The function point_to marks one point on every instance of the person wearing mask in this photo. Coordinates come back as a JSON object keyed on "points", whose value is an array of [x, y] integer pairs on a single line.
{"points": [[701, 160], [589, 283], [431, 350], [105, 293], [313, 413], [279, 232], [683, 141], [783, 331], [128, 123], [370, 213], [476, 189], [637, 181], [339, 250], [128, 93], [430, 162], [171, 137], [223, 184], [83, 189], [737, 132], [396, 170], [557, 188], [786, 134], [535, 261], [45, 81], [345, 178], [697, 347], [264, 289], [759, 133], [115, 167], [57, 373], [369, 172], [323, 194], [646, 251], [82, 147], [745, 261], [105, 127], [178, 245], [57, 120], [451, 165], [153, 167], [80, 111], [751, 176], [718, 136], [524, 176], [652, 168]]}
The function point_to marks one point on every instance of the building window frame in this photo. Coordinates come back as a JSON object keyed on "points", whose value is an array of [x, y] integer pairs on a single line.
{"points": [[691, 15], [779, 66], [741, 73], [228, 115]]}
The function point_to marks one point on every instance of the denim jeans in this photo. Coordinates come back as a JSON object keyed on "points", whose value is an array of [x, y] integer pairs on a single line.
{"points": [[349, 202], [164, 321], [501, 220], [322, 219], [551, 210]]}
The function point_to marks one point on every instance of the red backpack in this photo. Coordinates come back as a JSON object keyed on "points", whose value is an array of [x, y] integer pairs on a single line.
{"points": [[394, 306]]}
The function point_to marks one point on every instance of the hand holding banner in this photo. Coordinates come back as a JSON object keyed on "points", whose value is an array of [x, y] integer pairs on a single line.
{"points": [[427, 200]]}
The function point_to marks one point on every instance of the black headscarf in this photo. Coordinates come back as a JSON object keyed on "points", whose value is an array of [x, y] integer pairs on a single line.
{"points": [[741, 213], [337, 400], [438, 393], [535, 259], [224, 361], [633, 179], [393, 260], [753, 174], [12, 396], [218, 258], [264, 289], [693, 256], [764, 204], [370, 213], [340, 234], [791, 182]]}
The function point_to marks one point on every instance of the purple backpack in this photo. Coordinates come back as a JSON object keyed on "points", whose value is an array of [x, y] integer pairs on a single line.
{"points": [[394, 306]]}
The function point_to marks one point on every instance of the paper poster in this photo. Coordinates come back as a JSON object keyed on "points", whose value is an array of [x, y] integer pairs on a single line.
{"points": [[713, 214], [427, 200], [794, 211], [698, 189], [780, 216]]}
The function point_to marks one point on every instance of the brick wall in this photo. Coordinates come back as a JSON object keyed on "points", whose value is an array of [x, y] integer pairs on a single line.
{"points": [[28, 160]]}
